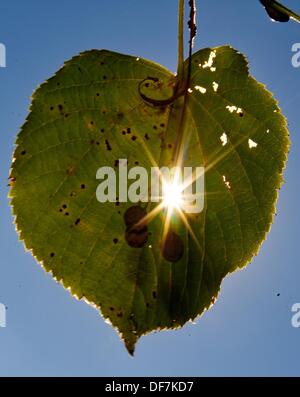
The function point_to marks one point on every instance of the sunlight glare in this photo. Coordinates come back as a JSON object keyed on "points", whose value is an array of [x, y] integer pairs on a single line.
{"points": [[172, 195]]}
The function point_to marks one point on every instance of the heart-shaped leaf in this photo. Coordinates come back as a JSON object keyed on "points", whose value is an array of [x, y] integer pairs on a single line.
{"points": [[93, 113]]}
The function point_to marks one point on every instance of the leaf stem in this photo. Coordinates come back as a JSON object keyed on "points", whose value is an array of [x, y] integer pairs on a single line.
{"points": [[180, 68], [186, 81]]}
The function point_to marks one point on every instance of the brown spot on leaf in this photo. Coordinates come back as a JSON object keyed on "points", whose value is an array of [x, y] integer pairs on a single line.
{"points": [[173, 248], [70, 171], [108, 147], [136, 237], [134, 215]]}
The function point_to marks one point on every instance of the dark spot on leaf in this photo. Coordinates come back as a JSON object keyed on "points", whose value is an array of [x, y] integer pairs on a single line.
{"points": [[148, 304], [77, 221], [136, 163], [136, 237], [147, 137], [66, 115], [104, 77], [120, 314], [70, 171], [92, 141], [162, 125], [64, 206], [111, 309], [82, 186], [134, 215], [124, 132], [173, 248], [155, 127], [79, 69], [133, 138], [170, 146], [102, 63], [23, 152], [92, 123], [108, 147], [52, 254], [51, 108], [128, 130], [154, 294], [120, 115], [117, 163], [137, 231], [102, 130], [67, 214], [241, 114], [115, 240], [97, 94], [60, 108]]}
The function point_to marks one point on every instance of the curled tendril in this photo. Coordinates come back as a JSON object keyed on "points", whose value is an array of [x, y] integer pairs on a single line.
{"points": [[182, 85], [159, 102]]}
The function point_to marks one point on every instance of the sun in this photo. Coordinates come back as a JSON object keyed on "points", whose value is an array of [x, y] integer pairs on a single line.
{"points": [[172, 195]]}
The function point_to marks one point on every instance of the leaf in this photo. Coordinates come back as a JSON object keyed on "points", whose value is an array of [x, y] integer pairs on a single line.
{"points": [[278, 12], [91, 114]]}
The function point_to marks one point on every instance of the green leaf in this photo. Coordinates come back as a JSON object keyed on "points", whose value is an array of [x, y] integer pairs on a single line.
{"points": [[278, 12], [90, 114]]}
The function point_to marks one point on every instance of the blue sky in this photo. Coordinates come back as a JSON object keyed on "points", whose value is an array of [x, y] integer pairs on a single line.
{"points": [[248, 331]]}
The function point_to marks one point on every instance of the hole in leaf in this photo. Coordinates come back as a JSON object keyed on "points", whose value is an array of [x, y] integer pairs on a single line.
{"points": [[224, 139], [252, 144]]}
